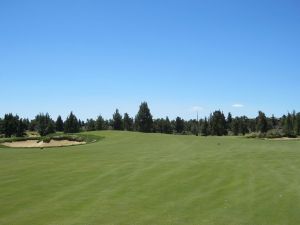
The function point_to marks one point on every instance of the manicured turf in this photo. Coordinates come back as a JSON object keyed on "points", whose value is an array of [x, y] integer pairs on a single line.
{"points": [[134, 178]]}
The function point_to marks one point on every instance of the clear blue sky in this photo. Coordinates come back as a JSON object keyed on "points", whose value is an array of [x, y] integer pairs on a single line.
{"points": [[95, 56]]}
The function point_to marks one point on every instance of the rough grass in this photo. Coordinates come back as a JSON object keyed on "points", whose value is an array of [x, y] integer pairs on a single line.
{"points": [[134, 178]]}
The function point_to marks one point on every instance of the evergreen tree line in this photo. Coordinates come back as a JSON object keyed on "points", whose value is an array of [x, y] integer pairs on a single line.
{"points": [[217, 124]]}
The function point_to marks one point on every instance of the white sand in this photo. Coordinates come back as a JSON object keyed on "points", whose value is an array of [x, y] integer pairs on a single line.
{"points": [[35, 144], [283, 139]]}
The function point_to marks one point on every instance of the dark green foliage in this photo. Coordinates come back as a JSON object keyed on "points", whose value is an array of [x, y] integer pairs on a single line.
{"points": [[240, 125], [297, 124], [10, 125], [158, 125], [90, 125], [252, 125], [46, 139], [179, 125], [117, 121], [21, 128], [243, 125], [71, 124], [229, 122], [195, 127], [128, 122], [262, 123], [167, 127], [163, 126], [1, 126], [218, 123], [59, 124], [205, 128], [44, 124], [273, 121], [100, 123], [235, 126], [288, 127], [32, 125], [143, 119], [192, 127]]}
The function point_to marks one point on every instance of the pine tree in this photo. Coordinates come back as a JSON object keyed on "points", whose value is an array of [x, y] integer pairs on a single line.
{"points": [[90, 125], [179, 125], [243, 125], [235, 126], [204, 128], [143, 119], [1, 126], [128, 122], [59, 124], [218, 123], [10, 124], [71, 124], [273, 122], [99, 123], [229, 121], [288, 128], [297, 124], [158, 125], [167, 129], [44, 124], [117, 121], [21, 128], [262, 123]]}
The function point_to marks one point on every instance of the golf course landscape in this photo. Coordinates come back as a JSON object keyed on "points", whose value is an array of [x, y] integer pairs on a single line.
{"points": [[139, 178], [149, 112]]}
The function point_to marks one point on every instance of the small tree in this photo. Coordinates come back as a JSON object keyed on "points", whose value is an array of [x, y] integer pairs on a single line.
{"points": [[117, 121], [71, 124], [59, 124], [143, 119]]}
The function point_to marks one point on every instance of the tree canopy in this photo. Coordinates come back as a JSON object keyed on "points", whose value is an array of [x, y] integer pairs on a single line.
{"points": [[143, 119], [71, 124]]}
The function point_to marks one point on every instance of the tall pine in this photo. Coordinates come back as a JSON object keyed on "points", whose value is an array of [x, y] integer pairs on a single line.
{"points": [[117, 121], [143, 119], [59, 124]]}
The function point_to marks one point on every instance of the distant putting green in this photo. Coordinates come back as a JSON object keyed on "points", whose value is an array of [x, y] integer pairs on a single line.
{"points": [[134, 178]]}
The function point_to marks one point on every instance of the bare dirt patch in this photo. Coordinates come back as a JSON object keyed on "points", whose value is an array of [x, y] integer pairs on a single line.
{"points": [[41, 144]]}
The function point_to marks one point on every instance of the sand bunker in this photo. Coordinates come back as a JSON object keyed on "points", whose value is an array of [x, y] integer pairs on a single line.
{"points": [[283, 139], [36, 144]]}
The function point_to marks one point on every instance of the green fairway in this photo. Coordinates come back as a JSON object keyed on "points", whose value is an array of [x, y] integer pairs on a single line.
{"points": [[135, 178]]}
